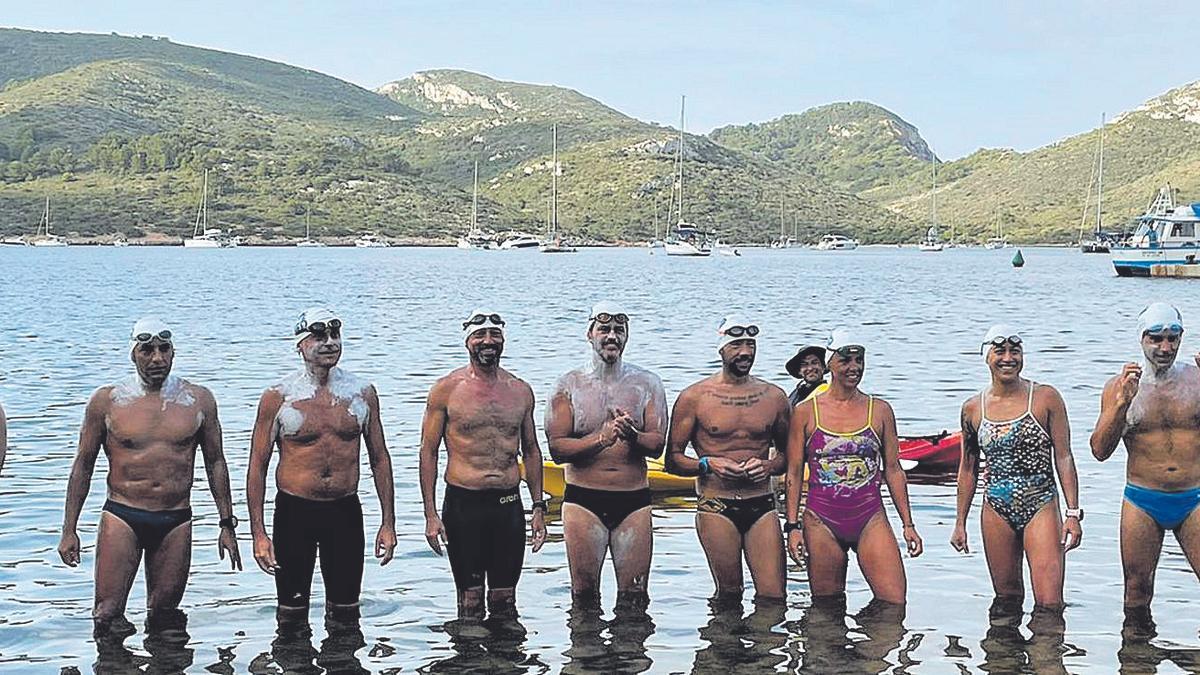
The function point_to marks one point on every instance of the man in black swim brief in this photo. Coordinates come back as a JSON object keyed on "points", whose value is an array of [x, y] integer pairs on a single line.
{"points": [[603, 422], [149, 426]]}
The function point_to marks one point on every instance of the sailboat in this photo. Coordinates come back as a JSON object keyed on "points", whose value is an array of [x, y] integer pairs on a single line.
{"points": [[308, 242], [475, 238], [202, 235], [657, 242], [932, 243], [553, 242], [1100, 241], [784, 241], [43, 237], [687, 239]]}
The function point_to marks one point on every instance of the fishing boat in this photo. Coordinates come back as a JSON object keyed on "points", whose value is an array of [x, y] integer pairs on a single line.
{"points": [[43, 237], [308, 241], [475, 239], [1166, 235], [204, 236], [370, 241], [553, 243], [1098, 241], [686, 240], [836, 242]]}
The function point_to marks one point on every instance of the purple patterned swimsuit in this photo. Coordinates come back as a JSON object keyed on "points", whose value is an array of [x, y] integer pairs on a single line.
{"points": [[844, 477]]}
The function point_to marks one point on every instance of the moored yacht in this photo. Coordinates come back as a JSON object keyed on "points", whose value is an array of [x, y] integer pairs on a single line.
{"points": [[836, 242], [43, 237], [1166, 235]]}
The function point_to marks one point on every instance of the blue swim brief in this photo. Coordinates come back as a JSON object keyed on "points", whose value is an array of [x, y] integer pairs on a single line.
{"points": [[1168, 509]]}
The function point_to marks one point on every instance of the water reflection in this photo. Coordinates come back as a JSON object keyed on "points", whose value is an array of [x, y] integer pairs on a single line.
{"points": [[735, 642], [1137, 655], [830, 647], [293, 650], [600, 646], [166, 644], [493, 645], [1006, 650]]}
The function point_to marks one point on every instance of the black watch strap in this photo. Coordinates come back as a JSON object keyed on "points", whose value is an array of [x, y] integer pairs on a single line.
{"points": [[540, 504], [231, 522], [788, 527]]}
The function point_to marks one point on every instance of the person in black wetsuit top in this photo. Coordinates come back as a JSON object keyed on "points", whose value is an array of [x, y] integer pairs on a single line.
{"points": [[485, 416], [808, 366], [149, 426], [319, 416]]}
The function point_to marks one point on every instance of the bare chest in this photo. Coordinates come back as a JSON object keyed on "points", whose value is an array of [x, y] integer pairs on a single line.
{"points": [[475, 411], [147, 424]]}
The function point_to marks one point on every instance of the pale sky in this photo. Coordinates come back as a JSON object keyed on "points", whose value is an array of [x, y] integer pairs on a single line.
{"points": [[1015, 74]]}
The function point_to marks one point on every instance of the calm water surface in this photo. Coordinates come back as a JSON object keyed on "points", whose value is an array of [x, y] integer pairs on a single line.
{"points": [[67, 314]]}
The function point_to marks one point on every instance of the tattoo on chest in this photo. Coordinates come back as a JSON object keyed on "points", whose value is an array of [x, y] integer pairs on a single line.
{"points": [[739, 400]]}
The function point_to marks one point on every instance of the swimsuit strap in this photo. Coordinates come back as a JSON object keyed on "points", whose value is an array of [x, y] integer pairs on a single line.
{"points": [[870, 416], [1029, 406], [816, 412]]}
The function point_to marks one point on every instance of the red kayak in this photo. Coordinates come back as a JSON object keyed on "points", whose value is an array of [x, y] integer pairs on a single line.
{"points": [[939, 452]]}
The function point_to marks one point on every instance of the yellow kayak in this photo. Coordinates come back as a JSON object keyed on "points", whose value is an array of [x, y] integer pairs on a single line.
{"points": [[554, 481]]}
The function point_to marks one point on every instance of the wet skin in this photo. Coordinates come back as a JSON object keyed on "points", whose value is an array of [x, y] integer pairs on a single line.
{"points": [[1154, 408], [733, 419], [320, 459], [484, 415], [150, 444], [844, 407], [1046, 539], [602, 423]]}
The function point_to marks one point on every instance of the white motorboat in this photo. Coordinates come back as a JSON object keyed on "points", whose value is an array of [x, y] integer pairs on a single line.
{"points": [[119, 243], [370, 241], [43, 237], [836, 242], [725, 249], [13, 241], [518, 240], [1167, 234]]}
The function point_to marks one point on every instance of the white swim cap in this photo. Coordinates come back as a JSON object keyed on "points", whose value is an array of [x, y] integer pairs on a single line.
{"points": [[312, 316], [736, 327], [1002, 332], [481, 319], [843, 338], [1158, 317], [610, 308], [148, 328]]}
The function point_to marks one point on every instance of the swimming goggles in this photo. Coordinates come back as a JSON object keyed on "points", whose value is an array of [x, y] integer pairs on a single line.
{"points": [[164, 335], [319, 327], [999, 340], [480, 319], [605, 317], [740, 331], [1167, 327], [846, 351]]}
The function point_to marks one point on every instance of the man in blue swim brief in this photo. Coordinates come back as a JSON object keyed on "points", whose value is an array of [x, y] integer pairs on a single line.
{"points": [[1154, 407]]}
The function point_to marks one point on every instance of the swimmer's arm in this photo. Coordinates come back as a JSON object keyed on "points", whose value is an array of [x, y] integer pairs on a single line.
{"points": [[565, 447], [3, 438], [91, 438], [796, 442], [212, 448], [1110, 427], [653, 438], [683, 425], [433, 429], [968, 462], [381, 461], [531, 452], [1060, 436], [893, 473], [777, 466], [262, 442]]}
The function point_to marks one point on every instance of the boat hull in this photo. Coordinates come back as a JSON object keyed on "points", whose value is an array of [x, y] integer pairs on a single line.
{"points": [[1136, 262], [686, 250], [201, 243]]}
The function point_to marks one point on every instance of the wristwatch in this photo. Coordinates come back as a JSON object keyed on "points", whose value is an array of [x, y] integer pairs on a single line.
{"points": [[231, 522], [788, 527], [1075, 513], [539, 504], [702, 467]]}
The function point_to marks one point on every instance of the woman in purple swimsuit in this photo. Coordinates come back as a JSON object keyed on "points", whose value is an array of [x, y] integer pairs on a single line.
{"points": [[847, 440]]}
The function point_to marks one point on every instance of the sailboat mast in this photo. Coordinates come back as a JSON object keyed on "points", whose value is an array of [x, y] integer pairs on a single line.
{"points": [[475, 199], [782, 215], [47, 216], [935, 193], [679, 152], [554, 186], [1100, 177]]}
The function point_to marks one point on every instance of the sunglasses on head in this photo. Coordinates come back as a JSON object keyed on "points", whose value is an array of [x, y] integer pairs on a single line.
{"points": [[319, 327], [1000, 340], [741, 331], [1165, 327], [605, 317], [164, 335], [480, 319], [849, 350]]}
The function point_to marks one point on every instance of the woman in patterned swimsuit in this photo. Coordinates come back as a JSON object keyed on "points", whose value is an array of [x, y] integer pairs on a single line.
{"points": [[1020, 505]]}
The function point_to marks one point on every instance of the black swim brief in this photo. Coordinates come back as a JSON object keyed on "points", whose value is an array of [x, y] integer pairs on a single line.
{"points": [[150, 527], [743, 513], [612, 507], [304, 526], [485, 536]]}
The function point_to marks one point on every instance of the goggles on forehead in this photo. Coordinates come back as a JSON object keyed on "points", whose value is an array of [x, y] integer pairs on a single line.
{"points": [[741, 331], [164, 335], [846, 351], [1165, 328], [605, 317], [319, 326], [1000, 340], [480, 319]]}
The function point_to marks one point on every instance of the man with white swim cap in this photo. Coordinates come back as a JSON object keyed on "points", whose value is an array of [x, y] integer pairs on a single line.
{"points": [[603, 421], [731, 419], [1154, 408], [484, 414], [149, 426], [317, 417]]}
